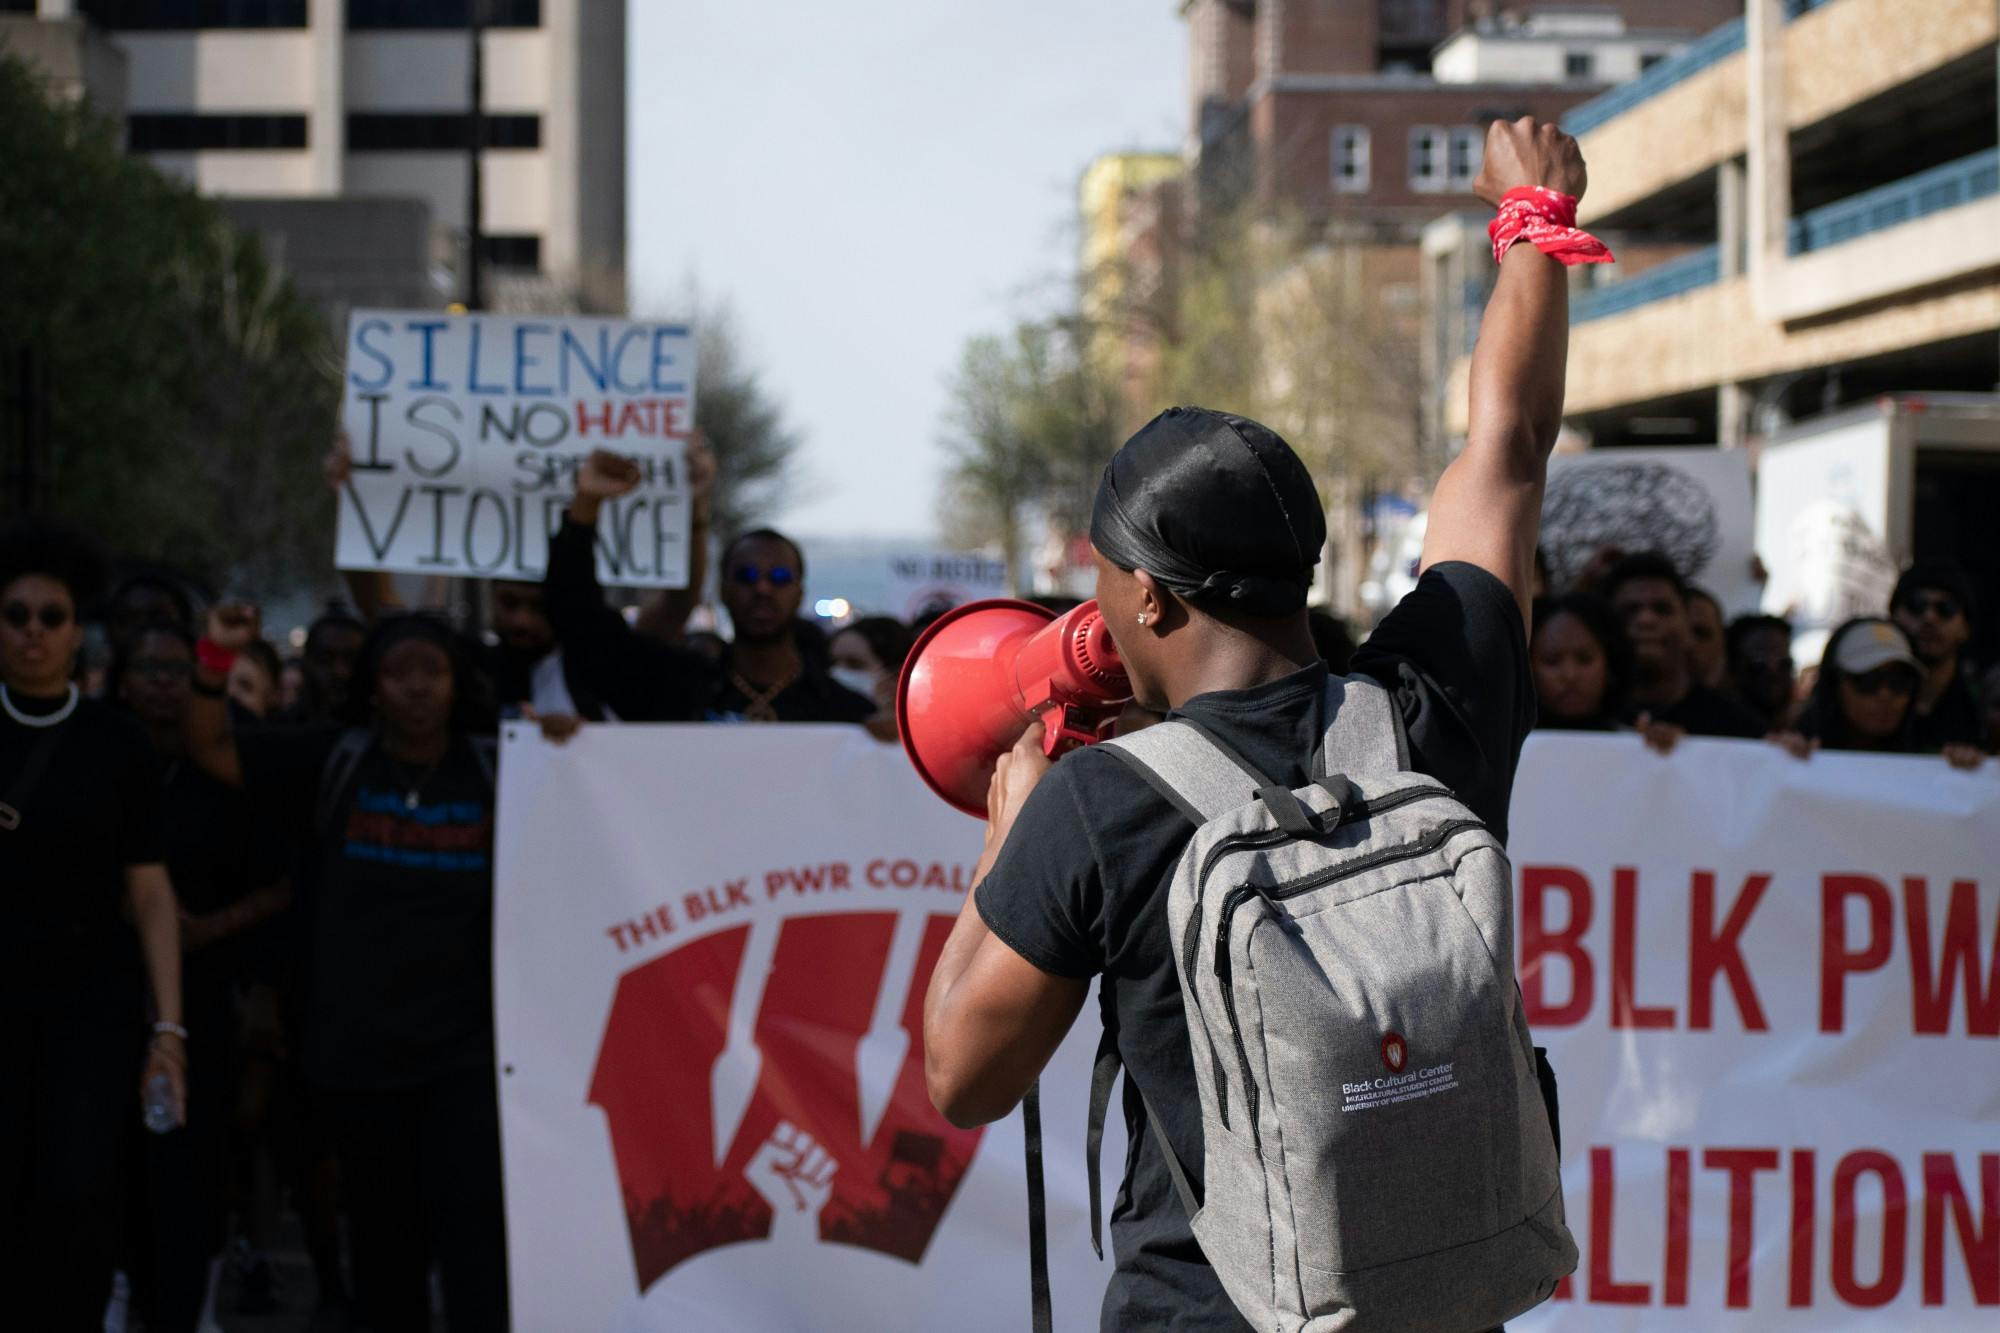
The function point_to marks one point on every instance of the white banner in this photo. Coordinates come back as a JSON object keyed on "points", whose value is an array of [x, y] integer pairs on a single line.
{"points": [[1771, 993], [467, 430], [711, 948], [1769, 989]]}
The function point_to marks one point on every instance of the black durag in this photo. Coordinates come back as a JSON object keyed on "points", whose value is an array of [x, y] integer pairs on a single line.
{"points": [[1217, 508]]}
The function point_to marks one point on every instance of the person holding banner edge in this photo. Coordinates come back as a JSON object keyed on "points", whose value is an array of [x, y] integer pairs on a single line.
{"points": [[1205, 597]]}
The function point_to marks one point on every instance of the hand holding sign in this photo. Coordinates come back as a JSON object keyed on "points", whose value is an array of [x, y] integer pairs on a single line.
{"points": [[467, 435]]}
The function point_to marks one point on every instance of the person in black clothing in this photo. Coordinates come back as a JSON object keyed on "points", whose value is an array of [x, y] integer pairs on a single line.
{"points": [[254, 679], [1206, 531], [395, 803], [764, 676], [1862, 699], [1582, 664], [81, 850], [1708, 658], [1761, 667], [1651, 597], [229, 878], [1932, 604], [146, 595], [332, 642]]}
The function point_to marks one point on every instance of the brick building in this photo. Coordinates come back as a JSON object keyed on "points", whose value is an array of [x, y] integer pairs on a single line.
{"points": [[1358, 110]]}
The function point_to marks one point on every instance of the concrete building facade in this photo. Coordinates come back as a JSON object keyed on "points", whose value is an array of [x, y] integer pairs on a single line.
{"points": [[368, 99], [1822, 206], [1375, 110]]}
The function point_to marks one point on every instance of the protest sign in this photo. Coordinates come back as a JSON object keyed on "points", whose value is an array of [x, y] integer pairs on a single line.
{"points": [[923, 583], [1768, 987], [467, 430], [1690, 504]]}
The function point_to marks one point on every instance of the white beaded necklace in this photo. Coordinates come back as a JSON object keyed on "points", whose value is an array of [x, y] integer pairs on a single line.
{"points": [[40, 720]]}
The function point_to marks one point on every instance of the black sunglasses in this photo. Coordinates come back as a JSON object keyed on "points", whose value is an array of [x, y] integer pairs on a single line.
{"points": [[1891, 677], [1944, 608], [52, 616], [778, 576]]}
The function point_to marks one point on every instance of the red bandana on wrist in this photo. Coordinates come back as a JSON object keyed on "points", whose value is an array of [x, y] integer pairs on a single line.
{"points": [[1547, 221]]}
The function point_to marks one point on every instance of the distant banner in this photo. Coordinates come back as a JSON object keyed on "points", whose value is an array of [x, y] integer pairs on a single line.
{"points": [[923, 583], [1691, 504], [467, 431], [1771, 991]]}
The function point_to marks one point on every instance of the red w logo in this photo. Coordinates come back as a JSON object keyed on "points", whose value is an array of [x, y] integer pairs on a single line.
{"points": [[774, 1074], [1394, 1051]]}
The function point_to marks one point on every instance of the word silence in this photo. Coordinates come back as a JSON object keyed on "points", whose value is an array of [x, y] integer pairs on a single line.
{"points": [[467, 431]]}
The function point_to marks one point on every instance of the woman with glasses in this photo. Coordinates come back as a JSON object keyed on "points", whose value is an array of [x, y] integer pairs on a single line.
{"points": [[91, 936], [1862, 699], [228, 873]]}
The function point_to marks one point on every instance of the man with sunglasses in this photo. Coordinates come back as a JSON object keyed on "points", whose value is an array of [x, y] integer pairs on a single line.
{"points": [[1933, 605], [764, 675]]}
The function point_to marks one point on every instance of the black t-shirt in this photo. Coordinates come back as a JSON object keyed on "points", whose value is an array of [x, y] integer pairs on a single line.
{"points": [[1953, 720], [813, 697], [1705, 712], [399, 913], [218, 853], [87, 792], [1081, 887]]}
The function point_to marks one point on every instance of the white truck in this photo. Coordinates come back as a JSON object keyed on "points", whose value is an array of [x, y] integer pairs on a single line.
{"points": [[1846, 500]]}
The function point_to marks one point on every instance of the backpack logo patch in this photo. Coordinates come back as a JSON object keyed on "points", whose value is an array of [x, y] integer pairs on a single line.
{"points": [[1395, 1052]]}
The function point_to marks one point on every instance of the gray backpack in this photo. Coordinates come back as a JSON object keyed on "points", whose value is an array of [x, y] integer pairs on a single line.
{"points": [[1378, 1150]]}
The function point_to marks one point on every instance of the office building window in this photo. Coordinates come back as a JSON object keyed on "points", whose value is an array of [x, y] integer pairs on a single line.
{"points": [[1468, 150], [1427, 168], [1350, 159], [521, 254], [425, 131], [1579, 65], [187, 132], [441, 13], [169, 15]]}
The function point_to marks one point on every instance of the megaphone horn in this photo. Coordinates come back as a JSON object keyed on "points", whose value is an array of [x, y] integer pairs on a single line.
{"points": [[983, 672]]}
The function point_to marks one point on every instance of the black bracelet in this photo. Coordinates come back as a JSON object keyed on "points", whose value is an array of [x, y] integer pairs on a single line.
{"points": [[210, 691]]}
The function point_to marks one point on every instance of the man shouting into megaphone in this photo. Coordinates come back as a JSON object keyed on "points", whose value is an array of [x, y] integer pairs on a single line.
{"points": [[1293, 891]]}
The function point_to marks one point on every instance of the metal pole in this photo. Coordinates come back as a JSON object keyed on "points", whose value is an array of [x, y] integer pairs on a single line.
{"points": [[474, 289]]}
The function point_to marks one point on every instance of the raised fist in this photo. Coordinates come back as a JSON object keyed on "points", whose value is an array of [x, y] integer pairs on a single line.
{"points": [[232, 625], [795, 1176], [1529, 152], [606, 476]]}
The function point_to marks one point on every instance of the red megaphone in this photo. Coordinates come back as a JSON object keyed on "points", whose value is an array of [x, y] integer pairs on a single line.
{"points": [[984, 671]]}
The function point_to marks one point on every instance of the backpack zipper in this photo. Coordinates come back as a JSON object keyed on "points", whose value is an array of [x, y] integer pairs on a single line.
{"points": [[1237, 842], [1225, 970]]}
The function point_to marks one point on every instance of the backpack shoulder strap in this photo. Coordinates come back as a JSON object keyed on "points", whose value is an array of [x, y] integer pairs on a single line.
{"points": [[1364, 729], [1189, 765], [341, 761]]}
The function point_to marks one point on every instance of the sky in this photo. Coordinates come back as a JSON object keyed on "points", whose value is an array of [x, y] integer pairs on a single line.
{"points": [[867, 186]]}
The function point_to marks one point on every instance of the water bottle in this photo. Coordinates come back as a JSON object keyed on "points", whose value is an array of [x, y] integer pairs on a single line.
{"points": [[161, 1115]]}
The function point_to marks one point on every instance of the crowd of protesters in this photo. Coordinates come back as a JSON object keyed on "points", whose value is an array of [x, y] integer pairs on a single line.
{"points": [[254, 897], [1636, 647]]}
